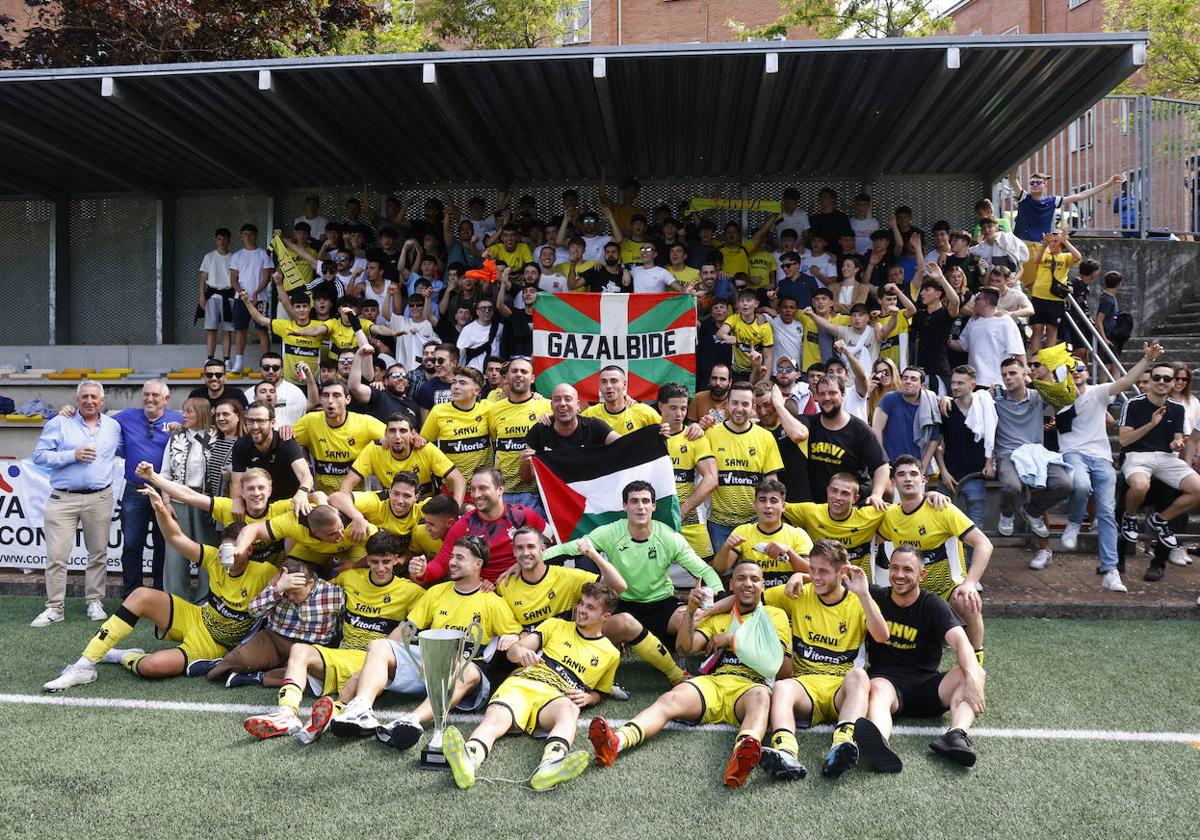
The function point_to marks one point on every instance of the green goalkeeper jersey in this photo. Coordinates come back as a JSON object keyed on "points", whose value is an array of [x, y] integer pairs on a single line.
{"points": [[643, 563]]}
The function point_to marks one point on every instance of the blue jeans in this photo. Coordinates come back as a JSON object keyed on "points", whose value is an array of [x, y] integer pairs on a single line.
{"points": [[531, 500], [137, 521], [717, 534], [1095, 477], [973, 497]]}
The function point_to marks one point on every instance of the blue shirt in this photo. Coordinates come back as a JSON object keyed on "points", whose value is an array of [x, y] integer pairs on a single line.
{"points": [[56, 446], [898, 431], [801, 290], [143, 441], [438, 285], [1035, 217]]}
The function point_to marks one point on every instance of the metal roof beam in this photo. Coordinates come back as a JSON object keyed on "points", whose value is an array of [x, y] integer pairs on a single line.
{"points": [[752, 155], [299, 115], [477, 162], [608, 117]]}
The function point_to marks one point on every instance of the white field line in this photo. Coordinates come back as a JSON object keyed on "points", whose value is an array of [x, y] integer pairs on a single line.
{"points": [[925, 731]]}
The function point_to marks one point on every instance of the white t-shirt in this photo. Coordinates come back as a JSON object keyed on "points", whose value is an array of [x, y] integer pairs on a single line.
{"points": [[551, 283], [789, 340], [863, 228], [410, 347], [988, 341], [291, 402], [864, 345], [593, 247], [483, 226], [797, 220], [379, 297], [825, 263], [855, 404], [250, 265], [474, 334], [316, 226], [1089, 432], [653, 279], [216, 266]]}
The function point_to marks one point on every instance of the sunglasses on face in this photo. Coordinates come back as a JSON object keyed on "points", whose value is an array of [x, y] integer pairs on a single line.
{"points": [[440, 360], [395, 376], [1183, 379], [214, 375], [1154, 378], [272, 367]]}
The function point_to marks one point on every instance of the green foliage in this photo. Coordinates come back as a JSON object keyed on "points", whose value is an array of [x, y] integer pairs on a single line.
{"points": [[852, 19], [1173, 55], [501, 24]]}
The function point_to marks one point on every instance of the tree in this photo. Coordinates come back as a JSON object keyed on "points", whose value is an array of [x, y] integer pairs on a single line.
{"points": [[80, 33], [503, 24], [1173, 55], [852, 19]]}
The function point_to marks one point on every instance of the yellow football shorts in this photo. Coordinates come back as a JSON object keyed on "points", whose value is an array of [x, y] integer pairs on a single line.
{"points": [[187, 628], [821, 688], [340, 665], [525, 700], [940, 580], [697, 537], [719, 695]]}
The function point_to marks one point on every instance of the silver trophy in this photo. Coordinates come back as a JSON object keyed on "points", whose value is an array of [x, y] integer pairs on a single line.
{"points": [[444, 655]]}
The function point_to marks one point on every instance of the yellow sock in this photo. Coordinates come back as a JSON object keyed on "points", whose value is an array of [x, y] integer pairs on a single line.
{"points": [[115, 628], [979, 656], [655, 652], [843, 733], [290, 695], [338, 707], [629, 736], [555, 749], [785, 741], [130, 661]]}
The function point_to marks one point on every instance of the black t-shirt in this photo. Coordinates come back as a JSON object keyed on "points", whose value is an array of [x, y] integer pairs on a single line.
{"points": [[852, 448], [589, 432], [597, 278], [932, 331], [709, 351], [831, 226], [970, 266], [390, 262], [235, 394], [518, 334], [383, 405], [795, 466], [917, 634], [277, 461], [432, 392], [1137, 413], [963, 454]]}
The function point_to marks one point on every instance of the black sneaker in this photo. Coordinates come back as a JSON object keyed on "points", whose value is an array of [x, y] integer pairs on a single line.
{"points": [[1129, 528], [956, 746], [200, 667], [781, 765], [840, 758], [236, 680], [1154, 573], [401, 733], [875, 747], [1163, 529]]}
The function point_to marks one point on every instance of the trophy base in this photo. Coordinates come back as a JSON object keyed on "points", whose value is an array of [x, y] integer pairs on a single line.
{"points": [[433, 759]]}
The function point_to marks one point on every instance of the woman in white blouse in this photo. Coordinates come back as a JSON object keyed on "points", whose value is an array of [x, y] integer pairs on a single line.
{"points": [[185, 460]]}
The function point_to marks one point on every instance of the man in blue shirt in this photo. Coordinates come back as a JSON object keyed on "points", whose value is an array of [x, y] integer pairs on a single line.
{"points": [[895, 418], [145, 432], [79, 451]]}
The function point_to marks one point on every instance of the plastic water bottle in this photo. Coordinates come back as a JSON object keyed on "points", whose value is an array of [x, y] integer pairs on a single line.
{"points": [[28, 363]]}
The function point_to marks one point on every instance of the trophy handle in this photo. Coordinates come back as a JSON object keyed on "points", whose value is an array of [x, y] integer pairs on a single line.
{"points": [[408, 637], [472, 644]]}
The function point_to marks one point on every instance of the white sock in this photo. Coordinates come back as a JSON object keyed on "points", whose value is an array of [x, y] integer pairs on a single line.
{"points": [[84, 662]]}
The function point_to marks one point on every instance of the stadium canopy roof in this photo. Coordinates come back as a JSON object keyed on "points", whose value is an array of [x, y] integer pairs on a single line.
{"points": [[951, 105]]}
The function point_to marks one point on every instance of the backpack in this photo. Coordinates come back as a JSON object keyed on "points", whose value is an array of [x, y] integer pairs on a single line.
{"points": [[1122, 328]]}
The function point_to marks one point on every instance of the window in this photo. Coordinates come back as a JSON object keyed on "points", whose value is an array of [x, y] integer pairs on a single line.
{"points": [[1074, 4], [1083, 212], [576, 20], [1081, 133]]}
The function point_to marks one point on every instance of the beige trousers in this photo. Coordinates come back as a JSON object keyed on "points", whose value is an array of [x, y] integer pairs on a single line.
{"points": [[65, 511]]}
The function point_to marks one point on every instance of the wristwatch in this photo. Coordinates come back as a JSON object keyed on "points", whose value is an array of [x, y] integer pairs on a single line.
{"points": [[306, 489]]}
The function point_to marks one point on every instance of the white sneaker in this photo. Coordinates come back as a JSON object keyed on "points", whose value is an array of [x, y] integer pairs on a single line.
{"points": [[46, 617], [1005, 525], [237, 365], [1041, 560], [1035, 523], [1112, 581], [358, 720], [1070, 536], [114, 656], [77, 673], [282, 722], [1178, 556], [95, 611]]}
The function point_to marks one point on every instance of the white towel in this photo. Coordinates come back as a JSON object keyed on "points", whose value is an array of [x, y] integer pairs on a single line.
{"points": [[982, 420]]}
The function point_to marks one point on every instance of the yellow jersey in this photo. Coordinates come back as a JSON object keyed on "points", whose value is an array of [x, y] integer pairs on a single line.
{"points": [[297, 348], [462, 434], [288, 527], [735, 259], [373, 610], [514, 259], [748, 337], [631, 252], [938, 535], [429, 463], [685, 457], [444, 607], [728, 662], [341, 337], [1050, 268], [572, 661], [334, 448], [221, 510], [377, 509], [856, 532], [225, 614], [775, 571], [894, 345], [763, 269], [743, 460], [508, 423], [826, 638], [563, 268], [555, 594], [811, 350], [688, 276], [423, 543], [633, 416]]}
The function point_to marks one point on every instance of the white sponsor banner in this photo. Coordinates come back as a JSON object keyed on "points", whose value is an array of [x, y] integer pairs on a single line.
{"points": [[24, 489]]}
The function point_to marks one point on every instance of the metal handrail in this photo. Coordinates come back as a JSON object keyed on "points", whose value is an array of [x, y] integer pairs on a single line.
{"points": [[1076, 316]]}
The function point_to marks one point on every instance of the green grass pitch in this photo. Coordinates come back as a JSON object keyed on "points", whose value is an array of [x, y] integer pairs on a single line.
{"points": [[105, 772]]}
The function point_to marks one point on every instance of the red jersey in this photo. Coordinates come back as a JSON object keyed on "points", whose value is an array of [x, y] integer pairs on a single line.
{"points": [[498, 533]]}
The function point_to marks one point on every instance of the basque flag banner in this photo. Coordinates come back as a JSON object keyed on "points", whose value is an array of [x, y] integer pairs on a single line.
{"points": [[652, 337], [582, 486]]}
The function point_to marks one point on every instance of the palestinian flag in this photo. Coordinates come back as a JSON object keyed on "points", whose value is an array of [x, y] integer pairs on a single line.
{"points": [[652, 337], [582, 487]]}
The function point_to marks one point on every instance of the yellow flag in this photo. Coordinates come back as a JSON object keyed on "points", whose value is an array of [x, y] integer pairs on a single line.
{"points": [[734, 204], [286, 261]]}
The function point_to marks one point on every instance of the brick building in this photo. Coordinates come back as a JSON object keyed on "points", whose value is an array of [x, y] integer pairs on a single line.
{"points": [[1030, 17], [671, 21]]}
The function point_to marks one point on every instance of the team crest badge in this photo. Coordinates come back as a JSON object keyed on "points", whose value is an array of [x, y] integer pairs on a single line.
{"points": [[595, 661], [842, 628], [550, 595], [921, 530], [753, 452], [387, 599], [350, 441]]}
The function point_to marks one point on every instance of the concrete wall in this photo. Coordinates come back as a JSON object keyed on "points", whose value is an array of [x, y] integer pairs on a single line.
{"points": [[1159, 274]]}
